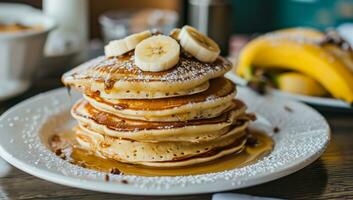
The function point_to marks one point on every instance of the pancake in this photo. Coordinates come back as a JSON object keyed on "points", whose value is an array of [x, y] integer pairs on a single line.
{"points": [[193, 130], [120, 78], [208, 104], [163, 154], [180, 111]]}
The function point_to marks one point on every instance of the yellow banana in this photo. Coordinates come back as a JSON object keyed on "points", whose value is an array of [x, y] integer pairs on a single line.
{"points": [[300, 50], [299, 84]]}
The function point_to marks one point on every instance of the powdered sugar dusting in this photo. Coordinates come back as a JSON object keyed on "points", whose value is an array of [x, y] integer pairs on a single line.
{"points": [[124, 69], [303, 137]]}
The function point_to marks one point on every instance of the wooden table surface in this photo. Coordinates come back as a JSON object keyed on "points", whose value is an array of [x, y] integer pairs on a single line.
{"points": [[330, 177]]}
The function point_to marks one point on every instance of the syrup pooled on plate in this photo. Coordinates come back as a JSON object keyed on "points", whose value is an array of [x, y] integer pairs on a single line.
{"points": [[259, 144]]}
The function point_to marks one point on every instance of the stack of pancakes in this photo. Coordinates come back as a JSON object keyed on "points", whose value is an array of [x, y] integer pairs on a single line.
{"points": [[178, 117]]}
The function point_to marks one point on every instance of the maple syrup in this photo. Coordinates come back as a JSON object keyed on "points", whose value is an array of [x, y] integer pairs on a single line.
{"points": [[260, 145]]}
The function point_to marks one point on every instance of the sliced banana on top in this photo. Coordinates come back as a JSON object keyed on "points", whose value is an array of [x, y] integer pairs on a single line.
{"points": [[157, 53], [175, 33], [119, 47], [199, 45]]}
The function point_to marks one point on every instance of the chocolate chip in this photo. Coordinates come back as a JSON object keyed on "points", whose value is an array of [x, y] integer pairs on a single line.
{"points": [[106, 177], [252, 141], [60, 153], [276, 129], [124, 181], [115, 170]]}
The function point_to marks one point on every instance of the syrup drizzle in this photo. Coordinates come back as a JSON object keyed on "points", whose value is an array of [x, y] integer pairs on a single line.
{"points": [[260, 145], [68, 89]]}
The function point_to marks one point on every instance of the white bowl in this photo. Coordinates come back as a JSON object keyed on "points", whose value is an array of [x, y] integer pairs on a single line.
{"points": [[21, 52]]}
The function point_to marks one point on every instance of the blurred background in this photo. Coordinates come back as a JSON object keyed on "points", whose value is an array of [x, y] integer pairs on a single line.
{"points": [[231, 23], [247, 16]]}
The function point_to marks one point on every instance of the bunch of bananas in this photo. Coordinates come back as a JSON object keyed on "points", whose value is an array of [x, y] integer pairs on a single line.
{"points": [[315, 63]]}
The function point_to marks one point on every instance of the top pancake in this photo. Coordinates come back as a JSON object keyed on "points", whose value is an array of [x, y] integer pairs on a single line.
{"points": [[120, 78]]}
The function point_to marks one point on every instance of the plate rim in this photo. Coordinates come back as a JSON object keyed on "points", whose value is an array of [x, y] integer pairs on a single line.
{"points": [[94, 185]]}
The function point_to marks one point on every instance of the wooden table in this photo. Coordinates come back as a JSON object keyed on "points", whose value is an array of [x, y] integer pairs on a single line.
{"points": [[330, 177]]}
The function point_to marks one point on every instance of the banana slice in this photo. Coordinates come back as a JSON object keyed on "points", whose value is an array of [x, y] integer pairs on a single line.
{"points": [[157, 53], [175, 33], [197, 44], [119, 47]]}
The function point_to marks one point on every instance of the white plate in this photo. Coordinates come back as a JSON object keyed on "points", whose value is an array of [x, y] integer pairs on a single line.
{"points": [[10, 89], [319, 101], [304, 135]]}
